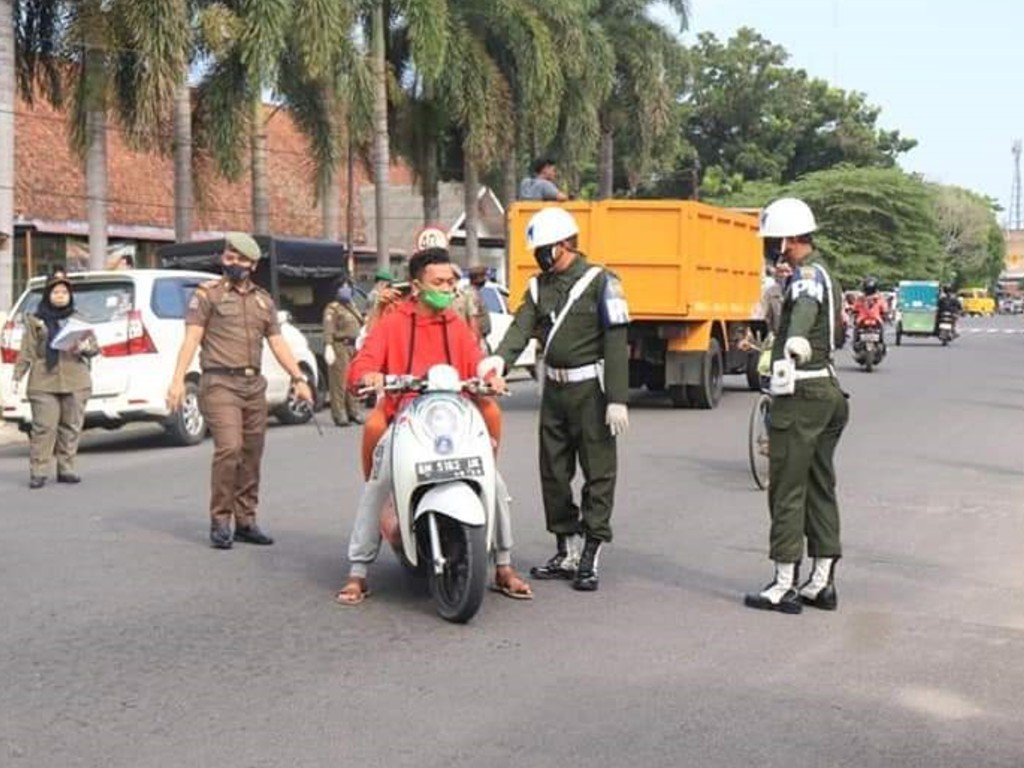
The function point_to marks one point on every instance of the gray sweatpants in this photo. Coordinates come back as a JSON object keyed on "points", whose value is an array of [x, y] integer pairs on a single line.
{"points": [[364, 543]]}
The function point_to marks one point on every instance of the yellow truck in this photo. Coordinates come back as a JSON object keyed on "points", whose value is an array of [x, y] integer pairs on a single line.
{"points": [[692, 274]]}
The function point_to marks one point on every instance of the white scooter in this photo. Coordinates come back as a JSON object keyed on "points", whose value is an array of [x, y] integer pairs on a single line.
{"points": [[443, 480]]}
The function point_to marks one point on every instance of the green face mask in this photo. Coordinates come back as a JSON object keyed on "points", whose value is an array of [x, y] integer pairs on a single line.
{"points": [[437, 300]]}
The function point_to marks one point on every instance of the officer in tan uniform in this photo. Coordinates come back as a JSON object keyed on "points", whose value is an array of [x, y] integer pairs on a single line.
{"points": [[227, 321], [342, 323]]}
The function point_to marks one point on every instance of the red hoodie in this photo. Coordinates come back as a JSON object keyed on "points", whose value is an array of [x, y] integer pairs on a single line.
{"points": [[441, 337]]}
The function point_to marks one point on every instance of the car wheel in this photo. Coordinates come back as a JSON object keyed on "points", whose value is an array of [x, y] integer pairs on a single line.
{"points": [[188, 426]]}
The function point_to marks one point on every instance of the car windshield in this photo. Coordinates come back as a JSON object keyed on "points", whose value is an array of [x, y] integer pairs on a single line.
{"points": [[95, 302]]}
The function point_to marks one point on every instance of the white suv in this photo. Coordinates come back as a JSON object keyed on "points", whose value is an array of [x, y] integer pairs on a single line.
{"points": [[138, 317], [495, 298]]}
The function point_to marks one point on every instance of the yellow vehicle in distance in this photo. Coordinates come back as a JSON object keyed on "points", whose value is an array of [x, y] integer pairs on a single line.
{"points": [[977, 301]]}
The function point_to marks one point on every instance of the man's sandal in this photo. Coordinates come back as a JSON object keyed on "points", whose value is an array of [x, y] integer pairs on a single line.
{"points": [[512, 585], [353, 593]]}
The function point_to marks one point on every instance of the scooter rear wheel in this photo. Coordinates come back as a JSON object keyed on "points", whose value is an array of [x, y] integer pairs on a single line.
{"points": [[459, 590]]}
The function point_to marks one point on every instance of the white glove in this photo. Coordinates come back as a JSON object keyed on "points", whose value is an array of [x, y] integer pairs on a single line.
{"points": [[799, 348], [329, 356], [617, 418], [491, 366]]}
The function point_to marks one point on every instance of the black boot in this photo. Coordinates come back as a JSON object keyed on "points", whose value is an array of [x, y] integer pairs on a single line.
{"points": [[72, 478], [562, 565], [780, 595], [251, 534], [220, 537], [586, 574], [819, 591], [36, 482]]}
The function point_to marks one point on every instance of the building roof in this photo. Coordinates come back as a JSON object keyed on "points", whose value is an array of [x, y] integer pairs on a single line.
{"points": [[50, 184]]}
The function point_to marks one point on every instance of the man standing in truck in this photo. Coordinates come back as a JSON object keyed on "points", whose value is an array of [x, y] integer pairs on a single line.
{"points": [[580, 314], [808, 414]]}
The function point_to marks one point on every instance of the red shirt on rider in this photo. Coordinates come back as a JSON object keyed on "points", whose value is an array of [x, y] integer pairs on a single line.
{"points": [[870, 310]]}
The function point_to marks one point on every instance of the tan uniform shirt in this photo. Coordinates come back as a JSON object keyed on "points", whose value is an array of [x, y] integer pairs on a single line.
{"points": [[71, 374], [236, 319], [341, 323]]}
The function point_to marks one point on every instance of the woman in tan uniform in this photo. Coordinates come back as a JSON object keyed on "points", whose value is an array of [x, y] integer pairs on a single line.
{"points": [[59, 384]]}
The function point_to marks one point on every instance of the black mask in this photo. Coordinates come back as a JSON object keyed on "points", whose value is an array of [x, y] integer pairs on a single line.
{"points": [[236, 273], [545, 257]]}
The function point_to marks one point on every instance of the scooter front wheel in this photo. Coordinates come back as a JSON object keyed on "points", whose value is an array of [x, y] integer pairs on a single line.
{"points": [[458, 591]]}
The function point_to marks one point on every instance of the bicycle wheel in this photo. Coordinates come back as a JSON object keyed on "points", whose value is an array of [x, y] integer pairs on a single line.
{"points": [[757, 444]]}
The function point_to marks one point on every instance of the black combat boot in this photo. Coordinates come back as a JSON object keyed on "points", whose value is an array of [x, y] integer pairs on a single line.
{"points": [[36, 482], [780, 595], [220, 537], [819, 591], [586, 574], [251, 534], [563, 564]]}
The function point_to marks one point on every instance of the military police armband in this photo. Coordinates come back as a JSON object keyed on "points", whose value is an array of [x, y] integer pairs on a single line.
{"points": [[807, 282], [614, 308]]}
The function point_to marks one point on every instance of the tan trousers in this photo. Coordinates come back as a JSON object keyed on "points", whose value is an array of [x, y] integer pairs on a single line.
{"points": [[344, 406], [56, 427], [235, 409]]}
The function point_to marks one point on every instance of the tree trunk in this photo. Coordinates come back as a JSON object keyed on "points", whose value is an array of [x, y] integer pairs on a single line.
{"points": [[7, 87], [509, 181], [350, 199], [258, 167], [431, 183], [96, 186], [183, 199], [381, 159], [330, 206], [606, 165], [470, 188]]}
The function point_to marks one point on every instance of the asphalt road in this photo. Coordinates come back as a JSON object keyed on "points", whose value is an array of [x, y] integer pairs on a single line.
{"points": [[125, 641]]}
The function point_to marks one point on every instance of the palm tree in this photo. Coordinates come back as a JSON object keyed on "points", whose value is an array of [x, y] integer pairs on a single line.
{"points": [[244, 42], [7, 90], [642, 99], [119, 58]]}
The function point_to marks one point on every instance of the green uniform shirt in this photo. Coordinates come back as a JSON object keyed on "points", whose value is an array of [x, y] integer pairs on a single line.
{"points": [[595, 328], [809, 295]]}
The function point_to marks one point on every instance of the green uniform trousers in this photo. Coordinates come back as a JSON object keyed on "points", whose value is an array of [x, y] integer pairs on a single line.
{"points": [[57, 419], [344, 406], [572, 427], [805, 430]]}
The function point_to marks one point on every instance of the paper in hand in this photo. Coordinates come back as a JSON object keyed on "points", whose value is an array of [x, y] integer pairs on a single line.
{"points": [[72, 335]]}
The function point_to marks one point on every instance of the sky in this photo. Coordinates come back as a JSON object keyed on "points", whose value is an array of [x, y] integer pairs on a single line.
{"points": [[949, 74]]}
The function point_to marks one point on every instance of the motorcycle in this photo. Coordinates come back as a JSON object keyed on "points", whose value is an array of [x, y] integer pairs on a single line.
{"points": [[442, 517], [868, 344], [947, 330]]}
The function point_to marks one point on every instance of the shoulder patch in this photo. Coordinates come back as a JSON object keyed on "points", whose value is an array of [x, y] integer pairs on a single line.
{"points": [[614, 308], [807, 282], [194, 301]]}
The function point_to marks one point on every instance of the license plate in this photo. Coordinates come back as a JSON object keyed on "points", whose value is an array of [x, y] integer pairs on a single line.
{"points": [[945, 327], [449, 469], [869, 337]]}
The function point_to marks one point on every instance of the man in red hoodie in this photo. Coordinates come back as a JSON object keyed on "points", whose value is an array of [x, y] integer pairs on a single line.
{"points": [[416, 335]]}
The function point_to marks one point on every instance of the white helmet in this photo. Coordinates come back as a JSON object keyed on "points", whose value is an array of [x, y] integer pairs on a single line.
{"points": [[549, 226], [787, 217]]}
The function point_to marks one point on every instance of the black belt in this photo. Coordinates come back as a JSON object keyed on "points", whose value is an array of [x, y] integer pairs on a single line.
{"points": [[233, 371]]}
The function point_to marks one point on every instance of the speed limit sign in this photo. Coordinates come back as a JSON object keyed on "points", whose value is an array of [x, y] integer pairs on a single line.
{"points": [[431, 237]]}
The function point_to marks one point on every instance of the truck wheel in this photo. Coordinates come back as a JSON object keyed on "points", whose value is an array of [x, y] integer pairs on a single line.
{"points": [[707, 394], [679, 396], [753, 374], [187, 426], [899, 335]]}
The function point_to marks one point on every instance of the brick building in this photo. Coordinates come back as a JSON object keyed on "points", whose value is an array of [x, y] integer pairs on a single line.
{"points": [[50, 202]]}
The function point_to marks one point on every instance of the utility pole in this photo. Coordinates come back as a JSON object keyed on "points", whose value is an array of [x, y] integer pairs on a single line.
{"points": [[1013, 215]]}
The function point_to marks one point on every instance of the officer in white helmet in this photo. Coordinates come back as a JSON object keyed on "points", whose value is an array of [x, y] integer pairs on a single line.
{"points": [[578, 312], [808, 414]]}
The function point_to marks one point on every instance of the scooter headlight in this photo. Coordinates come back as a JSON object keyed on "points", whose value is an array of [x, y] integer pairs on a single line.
{"points": [[441, 420]]}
